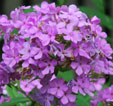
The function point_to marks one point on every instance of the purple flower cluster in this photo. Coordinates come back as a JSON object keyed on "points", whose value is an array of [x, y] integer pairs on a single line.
{"points": [[105, 96], [7, 75], [41, 43]]}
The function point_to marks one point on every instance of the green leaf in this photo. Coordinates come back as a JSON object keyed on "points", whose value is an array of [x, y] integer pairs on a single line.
{"points": [[1, 38], [15, 31], [15, 101], [27, 39], [105, 20], [62, 2], [99, 4], [109, 39], [14, 93], [28, 10], [10, 91], [67, 75], [34, 104], [100, 104], [83, 100]]}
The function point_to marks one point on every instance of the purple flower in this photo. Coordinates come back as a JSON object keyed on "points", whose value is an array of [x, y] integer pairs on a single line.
{"points": [[5, 73], [83, 85], [43, 99], [68, 97], [26, 86], [50, 39], [98, 84], [6, 27], [11, 53], [44, 7], [95, 20], [74, 36], [51, 31], [98, 65], [103, 47], [63, 53], [105, 95], [79, 51], [81, 66], [4, 77], [78, 86], [27, 54], [4, 20], [48, 66], [97, 30], [37, 83], [45, 82], [57, 88], [4, 99]]}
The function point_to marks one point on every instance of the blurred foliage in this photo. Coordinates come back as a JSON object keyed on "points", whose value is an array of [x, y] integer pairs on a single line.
{"points": [[13, 93], [28, 10], [62, 2], [99, 4], [67, 75], [105, 20], [82, 100], [14, 101]]}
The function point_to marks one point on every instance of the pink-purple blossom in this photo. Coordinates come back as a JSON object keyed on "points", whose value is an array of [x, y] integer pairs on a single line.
{"points": [[50, 40]]}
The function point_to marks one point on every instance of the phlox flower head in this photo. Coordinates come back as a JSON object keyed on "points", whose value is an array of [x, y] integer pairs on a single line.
{"points": [[50, 40]]}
